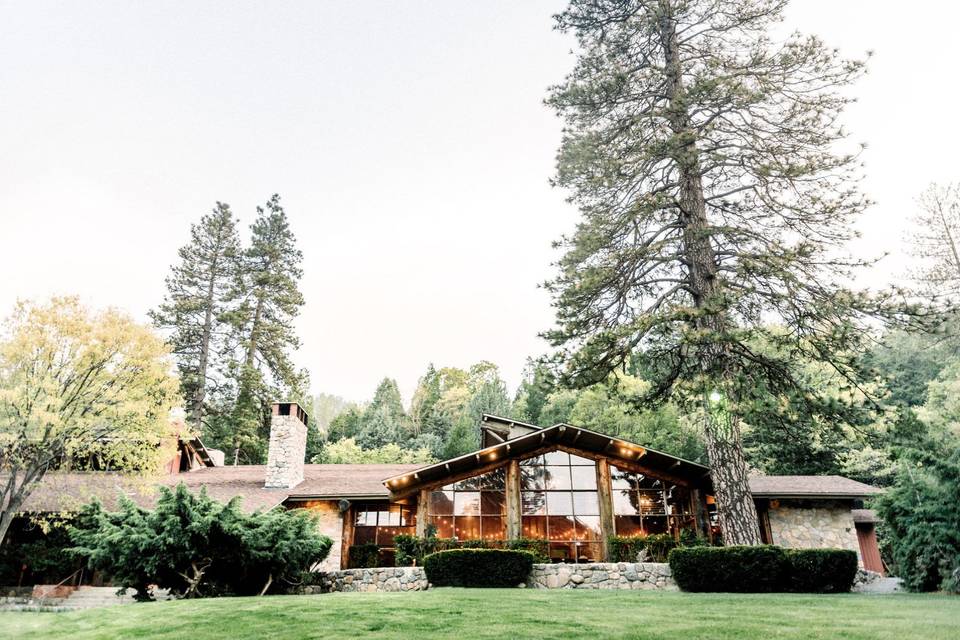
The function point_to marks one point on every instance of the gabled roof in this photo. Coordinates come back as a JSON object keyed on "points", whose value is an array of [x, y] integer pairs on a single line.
{"points": [[567, 435], [810, 487]]}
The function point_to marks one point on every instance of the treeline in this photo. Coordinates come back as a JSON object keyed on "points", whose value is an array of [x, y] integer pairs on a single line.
{"points": [[228, 315]]}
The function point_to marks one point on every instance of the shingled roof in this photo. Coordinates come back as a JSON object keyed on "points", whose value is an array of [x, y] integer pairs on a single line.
{"points": [[809, 487], [69, 491]]}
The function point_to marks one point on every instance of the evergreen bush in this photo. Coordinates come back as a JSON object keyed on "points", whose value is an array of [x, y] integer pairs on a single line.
{"points": [[737, 569]]}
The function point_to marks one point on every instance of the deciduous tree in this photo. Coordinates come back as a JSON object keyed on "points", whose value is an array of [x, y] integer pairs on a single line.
{"points": [[70, 380]]}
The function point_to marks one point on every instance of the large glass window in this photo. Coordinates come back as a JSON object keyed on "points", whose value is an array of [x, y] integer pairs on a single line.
{"points": [[558, 495], [379, 522], [643, 505], [472, 509]]}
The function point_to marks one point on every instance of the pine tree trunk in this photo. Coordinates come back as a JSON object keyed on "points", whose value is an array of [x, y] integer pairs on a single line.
{"points": [[738, 515], [245, 391], [200, 394]]}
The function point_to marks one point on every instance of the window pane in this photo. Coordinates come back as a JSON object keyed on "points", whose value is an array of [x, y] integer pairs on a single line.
{"points": [[557, 457], [392, 518], [365, 535], [534, 527], [678, 501], [496, 479], [532, 478], [441, 503], [534, 503], [558, 477], [383, 515], [559, 503], [580, 460], [366, 518], [561, 528], [408, 517], [625, 503], [654, 524], [534, 461], [467, 527], [622, 480], [588, 552], [562, 552], [651, 501], [493, 503], [628, 525], [585, 503], [469, 484], [444, 525], [493, 527], [588, 528], [466, 503], [646, 482], [584, 477]]}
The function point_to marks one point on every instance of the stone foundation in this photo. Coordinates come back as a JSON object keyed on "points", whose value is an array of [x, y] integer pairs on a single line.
{"points": [[814, 524], [603, 575]]}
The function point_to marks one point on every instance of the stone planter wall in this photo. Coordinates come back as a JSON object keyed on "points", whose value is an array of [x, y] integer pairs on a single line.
{"points": [[602, 575], [375, 579], [597, 575]]}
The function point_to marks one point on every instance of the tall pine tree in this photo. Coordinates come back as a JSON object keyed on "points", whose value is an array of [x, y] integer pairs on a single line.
{"points": [[704, 158], [194, 306], [268, 300]]}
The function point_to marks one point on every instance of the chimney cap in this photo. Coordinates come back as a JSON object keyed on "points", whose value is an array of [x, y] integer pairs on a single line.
{"points": [[290, 409]]}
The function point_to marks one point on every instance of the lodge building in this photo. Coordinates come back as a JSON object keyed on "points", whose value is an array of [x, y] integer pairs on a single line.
{"points": [[571, 486]]}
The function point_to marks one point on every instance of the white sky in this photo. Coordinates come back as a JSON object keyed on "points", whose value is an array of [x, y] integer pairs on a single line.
{"points": [[407, 139]]}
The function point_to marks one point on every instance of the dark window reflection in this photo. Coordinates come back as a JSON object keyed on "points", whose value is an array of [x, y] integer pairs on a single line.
{"points": [[471, 509], [644, 505]]}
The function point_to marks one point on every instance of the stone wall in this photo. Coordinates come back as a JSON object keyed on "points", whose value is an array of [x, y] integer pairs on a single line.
{"points": [[597, 575], [813, 524], [376, 579], [602, 575], [288, 446], [330, 524]]}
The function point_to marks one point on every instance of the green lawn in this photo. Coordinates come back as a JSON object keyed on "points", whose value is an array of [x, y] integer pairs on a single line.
{"points": [[499, 613]]}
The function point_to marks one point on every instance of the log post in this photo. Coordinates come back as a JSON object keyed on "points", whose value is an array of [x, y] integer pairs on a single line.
{"points": [[514, 528], [423, 501], [605, 495]]}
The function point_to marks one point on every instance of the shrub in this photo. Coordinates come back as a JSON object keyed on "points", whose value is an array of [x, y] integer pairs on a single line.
{"points": [[746, 569], [538, 547], [821, 570], [195, 546], [921, 515], [411, 550], [363, 556], [478, 567], [658, 546]]}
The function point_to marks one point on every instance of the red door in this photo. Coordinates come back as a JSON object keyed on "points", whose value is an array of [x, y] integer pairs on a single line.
{"points": [[869, 549]]}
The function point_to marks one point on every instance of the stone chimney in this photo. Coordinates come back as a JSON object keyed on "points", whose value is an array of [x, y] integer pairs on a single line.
{"points": [[288, 446]]}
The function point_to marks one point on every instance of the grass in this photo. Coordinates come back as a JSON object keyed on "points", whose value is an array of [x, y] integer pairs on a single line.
{"points": [[508, 613]]}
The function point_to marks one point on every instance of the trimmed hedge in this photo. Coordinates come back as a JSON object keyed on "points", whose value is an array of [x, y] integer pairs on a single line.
{"points": [[478, 567], [822, 570], [737, 569], [763, 569]]}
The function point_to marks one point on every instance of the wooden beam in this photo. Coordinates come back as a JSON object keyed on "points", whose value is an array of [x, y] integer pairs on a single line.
{"points": [[605, 496], [514, 511]]}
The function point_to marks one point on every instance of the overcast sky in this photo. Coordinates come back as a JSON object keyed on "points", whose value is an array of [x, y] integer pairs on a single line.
{"points": [[408, 141]]}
